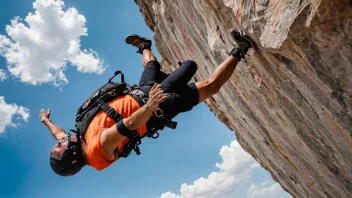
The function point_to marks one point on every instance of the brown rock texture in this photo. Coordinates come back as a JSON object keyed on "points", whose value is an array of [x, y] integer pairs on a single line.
{"points": [[290, 101]]}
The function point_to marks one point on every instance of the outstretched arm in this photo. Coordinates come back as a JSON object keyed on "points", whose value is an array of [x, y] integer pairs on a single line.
{"points": [[111, 138], [55, 130]]}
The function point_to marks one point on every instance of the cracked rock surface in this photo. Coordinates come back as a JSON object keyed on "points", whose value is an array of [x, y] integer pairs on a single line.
{"points": [[290, 101]]}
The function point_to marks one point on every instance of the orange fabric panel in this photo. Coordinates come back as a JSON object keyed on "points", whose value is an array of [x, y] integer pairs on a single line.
{"points": [[97, 158]]}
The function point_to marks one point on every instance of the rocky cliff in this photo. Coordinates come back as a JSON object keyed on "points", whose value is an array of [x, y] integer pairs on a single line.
{"points": [[290, 101]]}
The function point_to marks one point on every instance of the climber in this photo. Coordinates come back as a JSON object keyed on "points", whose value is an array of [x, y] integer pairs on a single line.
{"points": [[166, 95]]}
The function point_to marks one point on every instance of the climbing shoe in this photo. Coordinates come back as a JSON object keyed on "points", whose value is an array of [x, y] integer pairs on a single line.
{"points": [[140, 42], [241, 44]]}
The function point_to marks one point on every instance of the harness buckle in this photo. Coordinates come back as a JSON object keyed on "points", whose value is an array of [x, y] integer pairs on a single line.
{"points": [[112, 113], [137, 92], [155, 135], [159, 113], [129, 89], [112, 93]]}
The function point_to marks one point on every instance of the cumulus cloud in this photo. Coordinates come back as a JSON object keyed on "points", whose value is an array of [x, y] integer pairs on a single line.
{"points": [[39, 47], [258, 191], [10, 111], [232, 178], [2, 75], [235, 168]]}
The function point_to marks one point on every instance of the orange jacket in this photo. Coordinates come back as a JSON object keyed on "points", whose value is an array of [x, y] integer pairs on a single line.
{"points": [[97, 158]]}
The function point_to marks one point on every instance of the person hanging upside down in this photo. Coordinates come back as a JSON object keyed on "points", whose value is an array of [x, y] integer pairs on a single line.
{"points": [[165, 96]]}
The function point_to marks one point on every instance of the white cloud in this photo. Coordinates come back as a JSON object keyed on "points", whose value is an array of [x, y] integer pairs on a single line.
{"points": [[257, 191], [233, 179], [236, 167], [10, 111], [38, 48], [2, 75]]}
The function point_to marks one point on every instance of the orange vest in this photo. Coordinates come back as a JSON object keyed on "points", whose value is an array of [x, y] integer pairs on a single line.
{"points": [[97, 158]]}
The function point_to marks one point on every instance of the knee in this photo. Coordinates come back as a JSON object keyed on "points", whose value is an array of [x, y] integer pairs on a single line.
{"points": [[148, 58], [153, 64], [191, 65]]}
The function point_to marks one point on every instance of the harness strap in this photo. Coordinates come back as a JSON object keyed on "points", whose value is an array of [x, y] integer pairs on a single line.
{"points": [[132, 144], [110, 111], [153, 125], [141, 101], [134, 138]]}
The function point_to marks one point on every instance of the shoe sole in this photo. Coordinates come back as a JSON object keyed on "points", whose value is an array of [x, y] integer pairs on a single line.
{"points": [[237, 36], [133, 39]]}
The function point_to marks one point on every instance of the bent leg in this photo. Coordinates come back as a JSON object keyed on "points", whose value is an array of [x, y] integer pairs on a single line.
{"points": [[147, 56], [185, 99], [189, 95], [151, 73], [180, 77], [206, 88], [222, 73]]}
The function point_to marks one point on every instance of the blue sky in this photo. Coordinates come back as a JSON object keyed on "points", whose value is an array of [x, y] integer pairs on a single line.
{"points": [[43, 64]]}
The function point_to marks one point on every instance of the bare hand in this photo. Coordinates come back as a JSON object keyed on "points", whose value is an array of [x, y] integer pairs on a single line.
{"points": [[44, 115], [156, 96]]}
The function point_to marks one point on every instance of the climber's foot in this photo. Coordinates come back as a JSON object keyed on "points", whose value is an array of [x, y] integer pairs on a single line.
{"points": [[140, 42], [241, 44]]}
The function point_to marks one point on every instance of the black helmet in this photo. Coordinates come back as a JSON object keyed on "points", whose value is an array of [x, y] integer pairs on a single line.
{"points": [[73, 153]]}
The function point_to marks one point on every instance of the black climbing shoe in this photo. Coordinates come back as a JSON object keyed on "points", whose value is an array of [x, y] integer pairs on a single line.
{"points": [[242, 44], [140, 42]]}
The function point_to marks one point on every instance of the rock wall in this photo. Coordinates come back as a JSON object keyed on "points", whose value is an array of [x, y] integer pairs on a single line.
{"points": [[290, 101]]}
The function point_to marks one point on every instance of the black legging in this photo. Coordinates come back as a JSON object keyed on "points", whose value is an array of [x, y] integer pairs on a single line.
{"points": [[170, 83], [183, 95]]}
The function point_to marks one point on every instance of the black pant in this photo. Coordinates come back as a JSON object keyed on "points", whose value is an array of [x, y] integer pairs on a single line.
{"points": [[183, 95]]}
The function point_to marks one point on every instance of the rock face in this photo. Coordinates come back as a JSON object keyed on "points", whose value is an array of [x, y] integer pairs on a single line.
{"points": [[290, 101]]}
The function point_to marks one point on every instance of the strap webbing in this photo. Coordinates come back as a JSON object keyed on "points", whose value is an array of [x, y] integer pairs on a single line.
{"points": [[110, 111], [134, 138], [132, 144]]}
